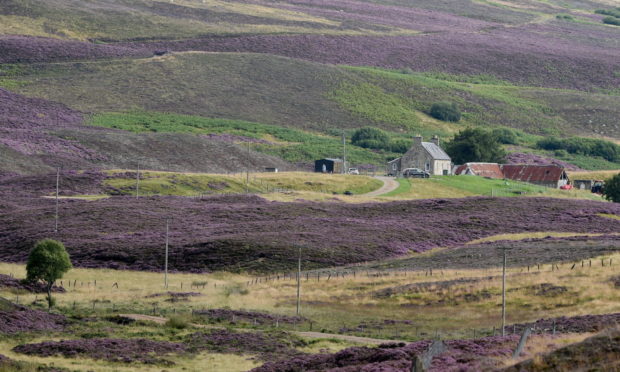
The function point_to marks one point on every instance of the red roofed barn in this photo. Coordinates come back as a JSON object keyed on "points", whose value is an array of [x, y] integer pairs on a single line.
{"points": [[544, 175]]}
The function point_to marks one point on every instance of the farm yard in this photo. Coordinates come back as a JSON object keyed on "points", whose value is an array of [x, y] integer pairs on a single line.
{"points": [[168, 147], [232, 307], [214, 310]]}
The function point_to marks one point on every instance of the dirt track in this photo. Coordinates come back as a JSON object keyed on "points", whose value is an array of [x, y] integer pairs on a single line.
{"points": [[389, 184], [363, 340]]}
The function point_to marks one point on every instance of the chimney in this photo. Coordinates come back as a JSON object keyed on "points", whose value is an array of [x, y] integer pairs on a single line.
{"points": [[435, 140], [417, 140]]}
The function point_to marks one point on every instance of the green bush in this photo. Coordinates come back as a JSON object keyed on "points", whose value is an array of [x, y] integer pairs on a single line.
{"points": [[445, 111], [561, 153], [505, 135], [582, 146], [565, 17], [609, 12], [177, 322], [475, 145], [612, 21], [611, 190], [400, 145], [371, 138]]}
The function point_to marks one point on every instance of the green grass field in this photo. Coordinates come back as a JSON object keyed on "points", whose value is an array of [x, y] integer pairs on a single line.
{"points": [[290, 144], [463, 186], [193, 184], [309, 96]]}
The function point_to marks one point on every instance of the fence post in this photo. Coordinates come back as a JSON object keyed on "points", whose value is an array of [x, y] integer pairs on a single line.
{"points": [[421, 363], [522, 341]]}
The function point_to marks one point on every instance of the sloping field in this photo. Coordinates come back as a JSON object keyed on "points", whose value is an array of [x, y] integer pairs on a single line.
{"points": [[37, 135], [527, 55], [249, 233], [310, 96], [111, 20]]}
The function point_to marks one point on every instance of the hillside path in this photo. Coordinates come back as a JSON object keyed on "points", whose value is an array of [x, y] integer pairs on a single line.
{"points": [[364, 340], [389, 184]]}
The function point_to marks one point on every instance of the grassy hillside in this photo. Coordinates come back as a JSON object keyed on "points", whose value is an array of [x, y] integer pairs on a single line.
{"points": [[188, 184], [272, 64], [111, 20], [463, 186], [292, 145], [285, 92]]}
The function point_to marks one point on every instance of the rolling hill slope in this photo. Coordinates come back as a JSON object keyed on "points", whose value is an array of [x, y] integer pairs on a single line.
{"points": [[544, 67]]}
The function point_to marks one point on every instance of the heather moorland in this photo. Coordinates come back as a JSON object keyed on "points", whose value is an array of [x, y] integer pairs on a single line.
{"points": [[184, 133]]}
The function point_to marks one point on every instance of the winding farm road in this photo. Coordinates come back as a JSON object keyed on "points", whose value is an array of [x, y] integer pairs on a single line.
{"points": [[389, 184], [363, 340]]}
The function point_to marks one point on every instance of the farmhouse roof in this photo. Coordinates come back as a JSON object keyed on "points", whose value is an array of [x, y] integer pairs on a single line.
{"points": [[533, 173], [491, 170], [332, 159], [435, 151], [391, 161]]}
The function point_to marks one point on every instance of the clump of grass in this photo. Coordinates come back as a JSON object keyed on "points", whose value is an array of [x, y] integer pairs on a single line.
{"points": [[177, 322]]}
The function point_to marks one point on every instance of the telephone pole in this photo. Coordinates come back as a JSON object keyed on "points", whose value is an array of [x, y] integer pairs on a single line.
{"points": [[344, 153], [166, 260], [504, 293], [299, 281], [247, 172], [57, 189], [138, 181]]}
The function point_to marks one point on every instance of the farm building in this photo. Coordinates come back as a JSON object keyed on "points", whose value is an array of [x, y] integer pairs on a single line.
{"points": [[544, 175], [489, 170], [583, 184], [329, 166], [428, 156]]}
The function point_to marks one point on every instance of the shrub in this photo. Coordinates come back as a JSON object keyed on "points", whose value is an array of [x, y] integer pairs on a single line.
{"points": [[561, 153], [612, 21], [475, 145], [565, 17], [611, 190], [371, 138], [446, 111], [177, 322], [582, 146], [48, 261], [400, 145], [609, 12], [505, 135]]}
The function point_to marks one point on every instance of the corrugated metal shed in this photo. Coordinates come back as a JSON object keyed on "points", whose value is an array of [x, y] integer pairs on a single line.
{"points": [[435, 151], [490, 170], [533, 173]]}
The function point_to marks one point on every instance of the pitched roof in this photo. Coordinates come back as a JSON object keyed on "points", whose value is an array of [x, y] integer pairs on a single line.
{"points": [[491, 170], [533, 173], [435, 151]]}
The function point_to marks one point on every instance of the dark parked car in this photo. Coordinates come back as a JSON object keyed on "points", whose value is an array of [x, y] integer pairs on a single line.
{"points": [[415, 173]]}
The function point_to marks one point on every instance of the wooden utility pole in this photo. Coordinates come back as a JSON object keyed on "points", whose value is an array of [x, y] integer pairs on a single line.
{"points": [[344, 153], [138, 181], [504, 293], [57, 189], [298, 281], [247, 172], [166, 259]]}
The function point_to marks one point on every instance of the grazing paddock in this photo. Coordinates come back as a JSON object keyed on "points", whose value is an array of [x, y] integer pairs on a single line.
{"points": [[399, 304]]}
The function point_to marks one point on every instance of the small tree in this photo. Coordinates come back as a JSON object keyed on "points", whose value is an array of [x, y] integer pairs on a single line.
{"points": [[446, 111], [48, 261], [475, 145], [371, 138], [611, 190]]}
